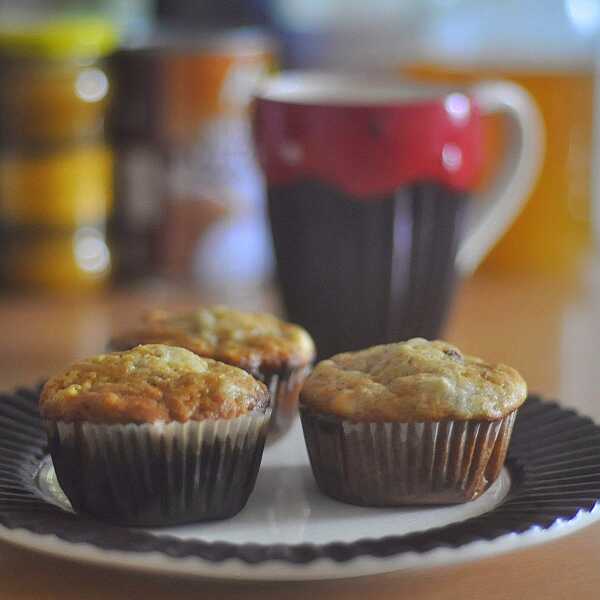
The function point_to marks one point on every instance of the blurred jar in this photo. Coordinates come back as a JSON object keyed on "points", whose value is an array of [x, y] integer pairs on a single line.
{"points": [[55, 164], [186, 180], [548, 48]]}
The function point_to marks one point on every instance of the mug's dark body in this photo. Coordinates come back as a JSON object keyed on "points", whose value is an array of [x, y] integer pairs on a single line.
{"points": [[358, 272]]}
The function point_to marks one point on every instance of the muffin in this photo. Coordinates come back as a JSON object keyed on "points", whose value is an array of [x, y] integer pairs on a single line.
{"points": [[278, 353], [155, 435], [414, 422]]}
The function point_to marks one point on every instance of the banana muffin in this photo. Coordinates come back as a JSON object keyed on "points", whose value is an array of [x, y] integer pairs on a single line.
{"points": [[413, 422], [278, 353], [156, 435]]}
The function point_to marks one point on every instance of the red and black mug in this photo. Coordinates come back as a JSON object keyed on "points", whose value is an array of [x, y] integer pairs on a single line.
{"points": [[369, 195]]}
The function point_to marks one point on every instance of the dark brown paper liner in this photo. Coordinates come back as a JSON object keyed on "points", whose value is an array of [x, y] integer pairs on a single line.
{"points": [[159, 474], [284, 389], [393, 464]]}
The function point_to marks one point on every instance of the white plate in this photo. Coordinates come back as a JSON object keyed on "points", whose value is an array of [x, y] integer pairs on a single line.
{"points": [[290, 531]]}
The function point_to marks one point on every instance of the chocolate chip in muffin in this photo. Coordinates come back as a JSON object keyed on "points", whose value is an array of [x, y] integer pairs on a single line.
{"points": [[454, 354]]}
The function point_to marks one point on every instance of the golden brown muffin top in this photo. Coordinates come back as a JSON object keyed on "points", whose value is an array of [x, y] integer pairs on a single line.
{"points": [[151, 384], [412, 381], [256, 342]]}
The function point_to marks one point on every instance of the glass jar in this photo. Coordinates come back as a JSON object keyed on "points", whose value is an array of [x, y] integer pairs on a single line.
{"points": [[55, 164], [554, 58]]}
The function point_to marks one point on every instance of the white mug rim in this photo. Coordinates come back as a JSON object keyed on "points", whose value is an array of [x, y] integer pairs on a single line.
{"points": [[321, 88]]}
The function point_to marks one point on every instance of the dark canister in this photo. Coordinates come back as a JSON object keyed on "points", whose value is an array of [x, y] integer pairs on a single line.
{"points": [[185, 172]]}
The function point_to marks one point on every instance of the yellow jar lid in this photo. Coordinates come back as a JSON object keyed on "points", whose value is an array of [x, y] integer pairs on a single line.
{"points": [[59, 39]]}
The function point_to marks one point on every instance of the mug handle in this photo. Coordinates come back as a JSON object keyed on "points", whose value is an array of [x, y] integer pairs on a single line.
{"points": [[495, 209]]}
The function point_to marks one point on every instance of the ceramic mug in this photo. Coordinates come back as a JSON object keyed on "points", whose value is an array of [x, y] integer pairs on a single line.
{"points": [[370, 199]]}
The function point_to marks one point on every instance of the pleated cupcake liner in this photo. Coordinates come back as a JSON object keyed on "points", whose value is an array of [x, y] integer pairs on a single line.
{"points": [[394, 463], [284, 389], [161, 473]]}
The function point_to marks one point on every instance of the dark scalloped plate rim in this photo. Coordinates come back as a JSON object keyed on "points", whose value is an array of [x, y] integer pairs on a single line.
{"points": [[552, 482]]}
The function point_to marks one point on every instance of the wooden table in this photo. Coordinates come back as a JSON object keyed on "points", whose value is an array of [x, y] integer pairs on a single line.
{"points": [[547, 327]]}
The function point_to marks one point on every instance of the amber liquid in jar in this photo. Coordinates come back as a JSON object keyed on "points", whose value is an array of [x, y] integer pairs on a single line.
{"points": [[554, 229], [55, 165]]}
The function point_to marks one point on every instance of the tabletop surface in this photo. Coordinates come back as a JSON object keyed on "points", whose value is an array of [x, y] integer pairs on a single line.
{"points": [[546, 326]]}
